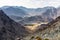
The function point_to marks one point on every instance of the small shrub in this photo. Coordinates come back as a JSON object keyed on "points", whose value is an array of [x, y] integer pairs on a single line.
{"points": [[38, 38], [32, 37], [46, 39]]}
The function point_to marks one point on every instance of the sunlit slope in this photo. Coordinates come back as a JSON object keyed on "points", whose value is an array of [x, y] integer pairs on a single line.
{"points": [[34, 26]]}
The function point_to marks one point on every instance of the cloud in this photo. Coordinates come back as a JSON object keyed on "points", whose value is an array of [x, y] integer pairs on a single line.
{"points": [[30, 3]]}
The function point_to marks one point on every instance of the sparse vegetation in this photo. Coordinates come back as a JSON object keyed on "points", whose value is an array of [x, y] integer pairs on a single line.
{"points": [[31, 37], [38, 38], [46, 39]]}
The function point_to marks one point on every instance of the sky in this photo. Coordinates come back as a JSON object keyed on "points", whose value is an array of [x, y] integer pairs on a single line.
{"points": [[30, 3]]}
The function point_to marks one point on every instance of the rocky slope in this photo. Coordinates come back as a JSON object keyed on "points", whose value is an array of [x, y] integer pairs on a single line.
{"points": [[9, 29], [50, 31]]}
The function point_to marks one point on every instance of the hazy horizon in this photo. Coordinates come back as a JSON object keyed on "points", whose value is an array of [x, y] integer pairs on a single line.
{"points": [[30, 3]]}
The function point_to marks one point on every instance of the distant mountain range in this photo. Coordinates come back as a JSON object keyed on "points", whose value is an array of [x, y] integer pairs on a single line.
{"points": [[35, 19], [46, 12]]}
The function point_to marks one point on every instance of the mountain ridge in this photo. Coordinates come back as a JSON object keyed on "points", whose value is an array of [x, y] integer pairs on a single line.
{"points": [[27, 12], [9, 29]]}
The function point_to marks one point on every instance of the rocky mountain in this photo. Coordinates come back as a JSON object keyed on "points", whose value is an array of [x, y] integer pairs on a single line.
{"points": [[50, 31], [9, 29]]}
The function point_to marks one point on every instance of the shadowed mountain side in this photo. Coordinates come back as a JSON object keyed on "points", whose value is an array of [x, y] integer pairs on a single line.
{"points": [[9, 29]]}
